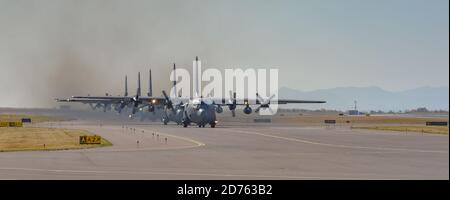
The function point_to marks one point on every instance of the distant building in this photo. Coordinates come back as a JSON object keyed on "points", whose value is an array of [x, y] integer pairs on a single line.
{"points": [[353, 112], [262, 120]]}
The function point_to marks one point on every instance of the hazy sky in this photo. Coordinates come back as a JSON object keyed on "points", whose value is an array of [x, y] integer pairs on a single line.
{"points": [[56, 48]]}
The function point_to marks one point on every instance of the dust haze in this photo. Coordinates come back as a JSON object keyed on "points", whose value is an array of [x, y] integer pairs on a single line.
{"points": [[63, 48], [59, 48]]}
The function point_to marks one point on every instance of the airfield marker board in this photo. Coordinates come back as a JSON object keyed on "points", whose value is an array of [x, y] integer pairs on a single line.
{"points": [[95, 139], [26, 120], [11, 124], [330, 121], [436, 123]]}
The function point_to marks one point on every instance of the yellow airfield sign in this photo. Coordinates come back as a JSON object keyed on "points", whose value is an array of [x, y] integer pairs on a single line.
{"points": [[11, 124], [94, 139]]}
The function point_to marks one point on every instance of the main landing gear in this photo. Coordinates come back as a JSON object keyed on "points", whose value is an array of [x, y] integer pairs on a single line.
{"points": [[213, 125], [185, 123]]}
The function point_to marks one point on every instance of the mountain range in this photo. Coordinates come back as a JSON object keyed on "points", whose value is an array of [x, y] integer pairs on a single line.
{"points": [[373, 98]]}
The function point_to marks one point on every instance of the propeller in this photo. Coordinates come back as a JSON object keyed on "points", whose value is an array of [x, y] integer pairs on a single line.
{"points": [[135, 107], [264, 103], [105, 107], [168, 103], [90, 104], [232, 103], [122, 105], [136, 101], [219, 108], [98, 105]]}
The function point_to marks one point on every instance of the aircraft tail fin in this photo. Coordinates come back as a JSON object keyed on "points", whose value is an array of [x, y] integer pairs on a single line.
{"points": [[150, 90], [197, 80], [174, 81], [126, 87], [138, 92]]}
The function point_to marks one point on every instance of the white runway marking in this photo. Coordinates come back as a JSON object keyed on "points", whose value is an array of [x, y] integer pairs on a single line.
{"points": [[337, 145], [173, 173], [198, 144], [134, 149]]}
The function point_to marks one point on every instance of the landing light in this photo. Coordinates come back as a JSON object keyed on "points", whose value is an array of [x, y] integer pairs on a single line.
{"points": [[153, 101]]}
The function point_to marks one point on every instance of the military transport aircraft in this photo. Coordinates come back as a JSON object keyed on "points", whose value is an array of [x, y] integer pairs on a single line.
{"points": [[171, 112], [106, 104], [136, 102], [198, 110]]}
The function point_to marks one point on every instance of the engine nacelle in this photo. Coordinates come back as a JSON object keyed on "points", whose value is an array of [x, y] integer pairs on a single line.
{"points": [[151, 108], [120, 107], [219, 109], [247, 110], [232, 106], [179, 111], [98, 105]]}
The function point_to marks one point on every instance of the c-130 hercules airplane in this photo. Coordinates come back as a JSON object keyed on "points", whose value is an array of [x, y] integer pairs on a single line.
{"points": [[189, 110], [170, 112]]}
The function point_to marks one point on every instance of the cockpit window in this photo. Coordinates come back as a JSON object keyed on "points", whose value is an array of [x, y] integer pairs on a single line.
{"points": [[196, 101], [207, 101]]}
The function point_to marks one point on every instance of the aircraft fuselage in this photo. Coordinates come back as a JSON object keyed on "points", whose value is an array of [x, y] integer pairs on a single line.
{"points": [[200, 114]]}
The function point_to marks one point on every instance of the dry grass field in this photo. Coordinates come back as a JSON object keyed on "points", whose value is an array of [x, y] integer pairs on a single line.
{"points": [[421, 129], [34, 118], [385, 123], [27, 139], [386, 120], [34, 138]]}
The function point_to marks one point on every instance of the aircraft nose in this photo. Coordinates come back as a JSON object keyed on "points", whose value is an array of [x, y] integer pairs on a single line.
{"points": [[201, 112]]}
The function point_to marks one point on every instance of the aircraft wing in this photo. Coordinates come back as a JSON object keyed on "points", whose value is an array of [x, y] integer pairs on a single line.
{"points": [[89, 100], [286, 101], [280, 101], [112, 99], [152, 100], [116, 98], [102, 97], [232, 100], [259, 102]]}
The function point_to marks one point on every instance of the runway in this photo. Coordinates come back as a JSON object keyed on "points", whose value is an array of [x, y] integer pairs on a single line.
{"points": [[237, 151]]}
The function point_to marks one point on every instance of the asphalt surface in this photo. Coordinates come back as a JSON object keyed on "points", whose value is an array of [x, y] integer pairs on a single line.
{"points": [[237, 151]]}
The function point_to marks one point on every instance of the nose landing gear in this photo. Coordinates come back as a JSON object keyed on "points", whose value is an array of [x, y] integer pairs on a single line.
{"points": [[213, 125], [165, 121], [185, 122]]}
